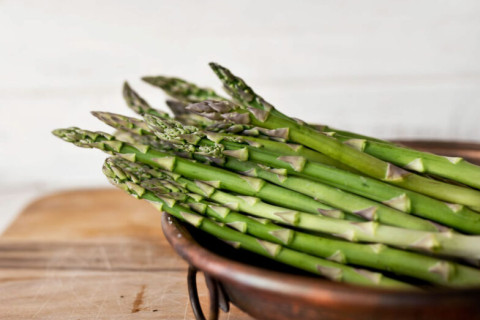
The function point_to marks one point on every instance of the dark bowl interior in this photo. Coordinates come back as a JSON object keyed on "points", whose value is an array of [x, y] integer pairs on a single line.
{"points": [[269, 290]]}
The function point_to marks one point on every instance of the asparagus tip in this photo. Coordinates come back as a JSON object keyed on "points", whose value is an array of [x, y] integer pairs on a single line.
{"points": [[154, 80], [148, 79], [57, 133]]}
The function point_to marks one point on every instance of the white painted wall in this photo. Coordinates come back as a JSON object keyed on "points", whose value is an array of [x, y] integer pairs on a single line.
{"points": [[386, 68]]}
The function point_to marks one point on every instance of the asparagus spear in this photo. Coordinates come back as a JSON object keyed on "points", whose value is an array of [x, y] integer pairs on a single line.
{"points": [[415, 265], [445, 243], [146, 137], [138, 104], [333, 148], [260, 113], [173, 131], [215, 176], [186, 138], [453, 168], [139, 127], [455, 216], [329, 269], [188, 92], [270, 140]]}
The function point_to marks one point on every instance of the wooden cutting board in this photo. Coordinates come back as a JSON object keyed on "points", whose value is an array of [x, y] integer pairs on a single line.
{"points": [[93, 254]]}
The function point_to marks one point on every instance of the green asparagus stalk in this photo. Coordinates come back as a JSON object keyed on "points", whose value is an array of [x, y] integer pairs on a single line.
{"points": [[187, 138], [139, 105], [143, 136], [131, 130], [381, 257], [329, 269], [333, 148], [444, 243], [271, 141], [260, 113], [457, 216], [331, 196], [188, 92], [454, 168], [214, 176], [139, 127]]}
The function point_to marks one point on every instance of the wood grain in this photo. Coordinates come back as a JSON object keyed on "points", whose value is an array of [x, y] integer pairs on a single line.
{"points": [[92, 254]]}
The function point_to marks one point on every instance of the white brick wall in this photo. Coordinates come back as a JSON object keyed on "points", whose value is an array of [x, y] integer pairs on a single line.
{"points": [[387, 68]]}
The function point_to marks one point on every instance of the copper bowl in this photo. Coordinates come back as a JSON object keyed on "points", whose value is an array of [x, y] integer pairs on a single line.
{"points": [[267, 290]]}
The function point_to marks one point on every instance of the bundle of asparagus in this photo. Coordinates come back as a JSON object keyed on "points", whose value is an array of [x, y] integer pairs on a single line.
{"points": [[341, 205]]}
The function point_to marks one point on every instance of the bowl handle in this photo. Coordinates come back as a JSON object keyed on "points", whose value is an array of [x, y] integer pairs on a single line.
{"points": [[218, 297]]}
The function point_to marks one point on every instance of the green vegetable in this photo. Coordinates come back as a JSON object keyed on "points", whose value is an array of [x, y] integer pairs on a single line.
{"points": [[446, 243], [330, 269], [256, 111], [374, 256]]}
